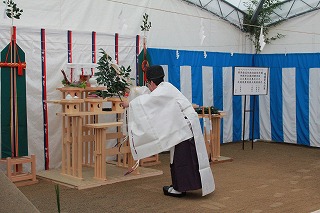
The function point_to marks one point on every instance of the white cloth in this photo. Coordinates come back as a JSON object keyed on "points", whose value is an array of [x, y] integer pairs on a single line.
{"points": [[134, 92], [137, 91], [262, 42], [157, 123]]}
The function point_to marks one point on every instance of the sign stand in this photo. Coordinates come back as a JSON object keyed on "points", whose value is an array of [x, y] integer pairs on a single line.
{"points": [[244, 120], [250, 81]]}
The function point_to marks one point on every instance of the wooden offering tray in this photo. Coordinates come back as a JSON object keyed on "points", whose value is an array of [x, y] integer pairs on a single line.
{"points": [[73, 91], [71, 105], [116, 103], [95, 104]]}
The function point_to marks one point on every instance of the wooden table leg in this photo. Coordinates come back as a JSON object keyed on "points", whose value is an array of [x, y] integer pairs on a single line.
{"points": [[97, 153], [79, 141], [74, 146], [68, 141], [63, 139], [100, 156], [103, 155], [215, 148]]}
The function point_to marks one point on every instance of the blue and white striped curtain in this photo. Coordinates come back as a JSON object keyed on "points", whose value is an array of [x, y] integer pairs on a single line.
{"points": [[288, 113], [291, 111]]}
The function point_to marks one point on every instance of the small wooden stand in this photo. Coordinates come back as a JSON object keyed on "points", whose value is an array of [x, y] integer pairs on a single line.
{"points": [[213, 141], [116, 104], [15, 170], [95, 104], [72, 105], [73, 91], [100, 151]]}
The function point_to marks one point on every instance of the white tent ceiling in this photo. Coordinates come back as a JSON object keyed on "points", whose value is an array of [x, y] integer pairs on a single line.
{"points": [[234, 11]]}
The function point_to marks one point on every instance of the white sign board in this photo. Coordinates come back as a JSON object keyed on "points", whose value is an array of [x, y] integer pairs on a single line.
{"points": [[250, 81]]}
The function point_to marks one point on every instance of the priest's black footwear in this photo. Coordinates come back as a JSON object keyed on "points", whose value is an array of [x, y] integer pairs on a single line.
{"points": [[167, 191]]}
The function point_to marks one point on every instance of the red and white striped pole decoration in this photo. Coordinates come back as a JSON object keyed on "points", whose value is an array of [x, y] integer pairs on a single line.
{"points": [[137, 59], [117, 48], [94, 50], [44, 98], [70, 53]]}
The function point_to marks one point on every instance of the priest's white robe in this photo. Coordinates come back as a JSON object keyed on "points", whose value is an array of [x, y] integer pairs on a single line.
{"points": [[157, 122]]}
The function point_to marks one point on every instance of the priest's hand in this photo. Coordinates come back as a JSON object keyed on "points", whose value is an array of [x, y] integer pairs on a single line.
{"points": [[124, 104]]}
